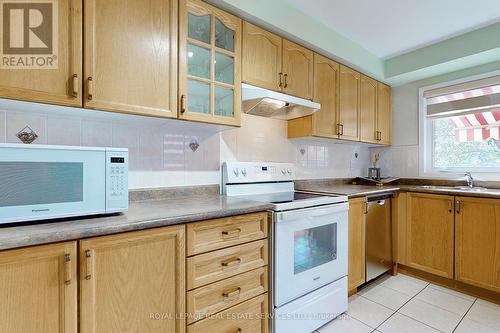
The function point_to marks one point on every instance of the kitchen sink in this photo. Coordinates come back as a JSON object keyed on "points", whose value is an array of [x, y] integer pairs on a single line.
{"points": [[472, 189], [458, 188]]}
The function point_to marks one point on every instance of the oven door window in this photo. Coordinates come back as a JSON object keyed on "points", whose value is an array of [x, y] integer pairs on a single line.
{"points": [[314, 247]]}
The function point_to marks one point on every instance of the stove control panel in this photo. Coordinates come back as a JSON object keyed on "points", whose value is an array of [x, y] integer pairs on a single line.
{"points": [[252, 172]]}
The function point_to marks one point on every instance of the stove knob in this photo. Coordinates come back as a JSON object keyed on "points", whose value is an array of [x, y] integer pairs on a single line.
{"points": [[289, 171], [244, 172], [283, 171], [236, 172]]}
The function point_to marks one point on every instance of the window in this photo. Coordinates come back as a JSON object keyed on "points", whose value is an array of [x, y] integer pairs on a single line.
{"points": [[460, 127]]}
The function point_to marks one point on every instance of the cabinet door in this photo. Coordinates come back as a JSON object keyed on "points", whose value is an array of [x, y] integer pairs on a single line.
{"points": [[429, 233], [477, 242], [349, 103], [129, 282], [39, 289], [261, 58], [356, 263], [297, 70], [326, 89], [368, 110], [130, 56], [62, 83], [209, 64], [384, 114]]}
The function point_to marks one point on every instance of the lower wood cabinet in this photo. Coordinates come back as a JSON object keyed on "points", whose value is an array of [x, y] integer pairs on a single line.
{"points": [[430, 233], [356, 261], [38, 289], [477, 242], [133, 282]]}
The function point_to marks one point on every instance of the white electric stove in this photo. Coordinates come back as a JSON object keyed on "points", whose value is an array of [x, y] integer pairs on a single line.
{"points": [[308, 242]]}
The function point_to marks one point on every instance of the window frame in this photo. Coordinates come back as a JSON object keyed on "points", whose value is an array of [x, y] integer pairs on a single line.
{"points": [[426, 137]]}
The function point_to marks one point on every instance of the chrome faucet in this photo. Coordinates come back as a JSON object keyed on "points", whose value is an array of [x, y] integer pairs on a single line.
{"points": [[469, 179]]}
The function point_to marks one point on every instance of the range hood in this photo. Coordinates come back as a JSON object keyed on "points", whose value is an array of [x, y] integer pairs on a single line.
{"points": [[268, 103]]}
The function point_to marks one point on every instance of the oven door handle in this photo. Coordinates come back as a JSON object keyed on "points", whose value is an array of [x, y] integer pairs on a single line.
{"points": [[312, 212]]}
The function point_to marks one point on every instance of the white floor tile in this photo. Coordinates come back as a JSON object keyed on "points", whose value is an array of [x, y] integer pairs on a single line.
{"points": [[445, 300], [345, 324], [404, 284], [387, 297], [452, 292], [470, 326], [431, 315], [368, 312], [485, 313], [399, 323]]}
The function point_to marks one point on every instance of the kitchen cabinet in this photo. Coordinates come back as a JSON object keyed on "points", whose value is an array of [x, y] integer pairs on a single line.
{"points": [[430, 233], [261, 57], [209, 64], [127, 280], [61, 83], [131, 56], [349, 88], [357, 237], [384, 114], [39, 289], [477, 242], [323, 123], [368, 110], [298, 66]]}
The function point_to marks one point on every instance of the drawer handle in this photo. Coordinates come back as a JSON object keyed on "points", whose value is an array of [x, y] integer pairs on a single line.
{"points": [[231, 262], [231, 294], [231, 233]]}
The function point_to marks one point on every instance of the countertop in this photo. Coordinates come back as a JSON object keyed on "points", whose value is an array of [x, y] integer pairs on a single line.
{"points": [[141, 215]]}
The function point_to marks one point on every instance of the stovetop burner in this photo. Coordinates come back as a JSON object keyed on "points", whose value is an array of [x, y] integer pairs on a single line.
{"points": [[295, 196]]}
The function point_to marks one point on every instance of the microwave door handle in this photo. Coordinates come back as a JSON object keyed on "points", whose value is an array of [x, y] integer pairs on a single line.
{"points": [[312, 212]]}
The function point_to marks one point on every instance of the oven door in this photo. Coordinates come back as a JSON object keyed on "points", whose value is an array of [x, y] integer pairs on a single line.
{"points": [[310, 250]]}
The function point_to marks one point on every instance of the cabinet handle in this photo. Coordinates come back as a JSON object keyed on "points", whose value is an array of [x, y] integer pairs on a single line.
{"points": [[230, 294], [281, 80], [67, 269], [341, 129], [231, 233], [75, 85], [90, 88], [366, 207], [88, 264], [237, 330], [450, 208], [231, 262], [286, 83], [183, 103], [457, 204]]}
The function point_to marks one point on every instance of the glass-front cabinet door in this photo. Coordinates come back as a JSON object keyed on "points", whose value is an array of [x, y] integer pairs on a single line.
{"points": [[209, 63]]}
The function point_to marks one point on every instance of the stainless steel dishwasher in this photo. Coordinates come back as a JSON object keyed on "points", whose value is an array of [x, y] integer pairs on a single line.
{"points": [[378, 235]]}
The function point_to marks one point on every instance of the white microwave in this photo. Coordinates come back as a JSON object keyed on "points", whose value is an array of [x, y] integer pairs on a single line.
{"points": [[40, 182]]}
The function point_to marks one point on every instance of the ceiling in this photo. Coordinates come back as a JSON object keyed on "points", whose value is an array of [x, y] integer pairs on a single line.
{"points": [[388, 28]]}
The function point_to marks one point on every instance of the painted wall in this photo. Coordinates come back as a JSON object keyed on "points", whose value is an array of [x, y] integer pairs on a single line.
{"points": [[159, 150]]}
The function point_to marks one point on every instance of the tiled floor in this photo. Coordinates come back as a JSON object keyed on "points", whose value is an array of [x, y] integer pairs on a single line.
{"points": [[396, 304]]}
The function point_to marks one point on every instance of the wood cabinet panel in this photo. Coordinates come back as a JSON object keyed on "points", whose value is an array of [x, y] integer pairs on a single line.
{"points": [[368, 110], [298, 63], [384, 113], [477, 242], [126, 279], [430, 233], [357, 237], [349, 82], [39, 289], [54, 86], [217, 265], [131, 56], [261, 57]]}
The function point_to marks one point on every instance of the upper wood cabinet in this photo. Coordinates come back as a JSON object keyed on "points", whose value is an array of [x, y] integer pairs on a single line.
{"points": [[209, 64], [298, 63], [39, 289], [357, 232], [349, 87], [477, 242], [59, 85], [261, 58], [129, 279], [368, 110], [384, 114], [131, 56], [430, 233]]}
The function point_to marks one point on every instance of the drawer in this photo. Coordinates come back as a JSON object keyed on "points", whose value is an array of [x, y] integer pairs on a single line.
{"points": [[216, 234], [217, 265], [250, 316], [221, 295]]}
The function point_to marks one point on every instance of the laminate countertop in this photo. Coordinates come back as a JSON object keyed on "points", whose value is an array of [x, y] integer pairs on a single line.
{"points": [[141, 215]]}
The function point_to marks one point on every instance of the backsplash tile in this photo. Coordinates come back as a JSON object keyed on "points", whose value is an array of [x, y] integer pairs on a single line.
{"points": [[17, 121], [3, 127], [63, 131]]}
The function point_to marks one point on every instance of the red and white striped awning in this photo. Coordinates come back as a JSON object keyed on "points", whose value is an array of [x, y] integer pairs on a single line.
{"points": [[480, 126]]}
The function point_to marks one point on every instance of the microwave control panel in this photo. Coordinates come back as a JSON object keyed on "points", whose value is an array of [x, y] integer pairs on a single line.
{"points": [[116, 181]]}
